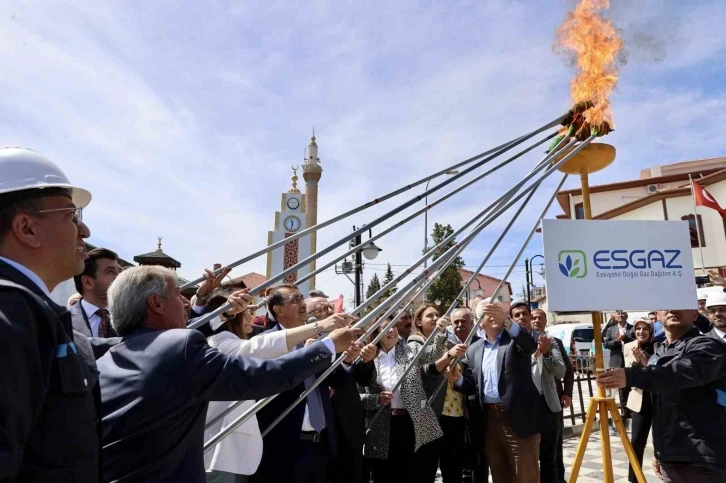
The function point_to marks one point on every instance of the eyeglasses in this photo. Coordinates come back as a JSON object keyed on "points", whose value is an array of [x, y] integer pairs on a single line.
{"points": [[296, 299], [77, 213]]}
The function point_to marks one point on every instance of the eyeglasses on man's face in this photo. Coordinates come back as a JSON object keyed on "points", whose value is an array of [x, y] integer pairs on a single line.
{"points": [[77, 213], [295, 299]]}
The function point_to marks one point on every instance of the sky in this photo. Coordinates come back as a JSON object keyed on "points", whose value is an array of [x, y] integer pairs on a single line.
{"points": [[184, 118]]}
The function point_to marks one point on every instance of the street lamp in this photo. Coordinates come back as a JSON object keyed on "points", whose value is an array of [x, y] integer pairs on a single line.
{"points": [[450, 172], [528, 275], [371, 251]]}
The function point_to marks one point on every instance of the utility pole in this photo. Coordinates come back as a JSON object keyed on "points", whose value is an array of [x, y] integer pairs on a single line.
{"points": [[358, 271], [527, 276]]}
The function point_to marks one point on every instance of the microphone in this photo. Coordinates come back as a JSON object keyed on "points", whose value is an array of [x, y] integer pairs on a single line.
{"points": [[312, 320]]}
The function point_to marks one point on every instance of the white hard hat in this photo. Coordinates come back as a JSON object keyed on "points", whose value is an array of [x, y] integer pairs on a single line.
{"points": [[24, 169], [716, 298]]}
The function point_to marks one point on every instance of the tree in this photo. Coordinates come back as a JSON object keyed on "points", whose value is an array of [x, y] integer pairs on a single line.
{"points": [[373, 286], [447, 286], [389, 278]]}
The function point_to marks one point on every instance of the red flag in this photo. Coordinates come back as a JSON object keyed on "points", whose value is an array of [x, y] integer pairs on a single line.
{"points": [[704, 198]]}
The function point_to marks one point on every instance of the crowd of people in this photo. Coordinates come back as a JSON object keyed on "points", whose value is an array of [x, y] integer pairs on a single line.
{"points": [[115, 387]]}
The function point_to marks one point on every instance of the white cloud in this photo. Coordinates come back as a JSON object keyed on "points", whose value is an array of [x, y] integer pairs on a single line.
{"points": [[184, 119]]}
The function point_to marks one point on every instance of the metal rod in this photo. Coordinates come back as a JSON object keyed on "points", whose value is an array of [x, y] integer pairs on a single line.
{"points": [[259, 288], [319, 380], [473, 276], [506, 146], [418, 212], [524, 246], [393, 300], [496, 206], [260, 404]]}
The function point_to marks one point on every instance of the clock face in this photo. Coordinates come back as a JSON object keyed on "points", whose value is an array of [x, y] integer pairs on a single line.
{"points": [[293, 203], [292, 223]]}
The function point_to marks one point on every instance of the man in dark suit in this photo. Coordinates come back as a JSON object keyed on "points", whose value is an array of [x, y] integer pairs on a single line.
{"points": [[306, 436], [347, 464], [48, 413], [90, 315], [615, 338], [157, 382], [498, 370], [564, 385]]}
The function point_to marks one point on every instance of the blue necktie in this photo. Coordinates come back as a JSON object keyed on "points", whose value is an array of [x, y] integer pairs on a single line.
{"points": [[315, 404]]}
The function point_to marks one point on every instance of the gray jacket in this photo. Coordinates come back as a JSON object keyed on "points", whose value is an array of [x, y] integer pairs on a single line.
{"points": [[548, 368]]}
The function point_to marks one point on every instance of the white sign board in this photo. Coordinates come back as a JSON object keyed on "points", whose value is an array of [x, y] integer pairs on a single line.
{"points": [[605, 265]]}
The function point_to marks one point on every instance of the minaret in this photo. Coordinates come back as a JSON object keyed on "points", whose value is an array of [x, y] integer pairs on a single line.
{"points": [[312, 171]]}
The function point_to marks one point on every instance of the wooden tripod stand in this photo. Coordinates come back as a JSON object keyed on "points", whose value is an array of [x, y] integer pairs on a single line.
{"points": [[592, 158]]}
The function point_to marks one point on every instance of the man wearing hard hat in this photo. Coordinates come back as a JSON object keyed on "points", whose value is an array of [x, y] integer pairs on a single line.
{"points": [[48, 418], [716, 307]]}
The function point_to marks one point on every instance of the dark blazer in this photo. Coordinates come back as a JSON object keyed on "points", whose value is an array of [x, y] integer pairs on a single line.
{"points": [[285, 437], [713, 334], [521, 400], [616, 346], [564, 386], [155, 388], [687, 383], [48, 390], [349, 413]]}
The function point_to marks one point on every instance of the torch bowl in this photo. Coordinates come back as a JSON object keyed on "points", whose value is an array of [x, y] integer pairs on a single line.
{"points": [[592, 158]]}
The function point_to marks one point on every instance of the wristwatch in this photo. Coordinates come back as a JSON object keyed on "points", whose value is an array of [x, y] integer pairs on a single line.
{"points": [[317, 329], [202, 300]]}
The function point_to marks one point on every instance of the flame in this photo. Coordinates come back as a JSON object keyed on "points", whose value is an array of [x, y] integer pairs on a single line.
{"points": [[595, 44]]}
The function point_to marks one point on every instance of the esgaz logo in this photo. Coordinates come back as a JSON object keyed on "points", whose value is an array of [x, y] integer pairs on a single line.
{"points": [[573, 263], [621, 263]]}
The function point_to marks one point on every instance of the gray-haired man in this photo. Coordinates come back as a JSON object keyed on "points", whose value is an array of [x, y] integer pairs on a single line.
{"points": [[156, 383]]}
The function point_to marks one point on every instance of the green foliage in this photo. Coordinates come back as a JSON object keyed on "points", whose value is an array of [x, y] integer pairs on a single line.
{"points": [[373, 286], [388, 277], [446, 287]]}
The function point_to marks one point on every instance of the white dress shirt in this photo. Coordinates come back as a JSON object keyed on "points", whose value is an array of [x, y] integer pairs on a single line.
{"points": [[306, 425], [28, 273], [720, 333], [389, 378], [94, 320]]}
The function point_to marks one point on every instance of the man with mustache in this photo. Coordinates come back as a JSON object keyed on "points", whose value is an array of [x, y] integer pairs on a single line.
{"points": [[716, 307], [404, 325], [687, 381]]}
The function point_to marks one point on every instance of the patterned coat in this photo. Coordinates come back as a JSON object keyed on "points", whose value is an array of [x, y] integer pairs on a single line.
{"points": [[425, 424]]}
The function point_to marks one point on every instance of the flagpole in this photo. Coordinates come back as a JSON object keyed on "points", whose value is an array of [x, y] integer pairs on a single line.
{"points": [[698, 226]]}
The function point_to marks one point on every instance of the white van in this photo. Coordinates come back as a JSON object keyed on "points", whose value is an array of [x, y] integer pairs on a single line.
{"points": [[578, 337]]}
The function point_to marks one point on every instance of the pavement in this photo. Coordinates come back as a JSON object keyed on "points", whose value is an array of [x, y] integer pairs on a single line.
{"points": [[591, 469]]}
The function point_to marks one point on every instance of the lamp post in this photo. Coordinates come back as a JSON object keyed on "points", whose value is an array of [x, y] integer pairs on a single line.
{"points": [[370, 251], [450, 172], [530, 279]]}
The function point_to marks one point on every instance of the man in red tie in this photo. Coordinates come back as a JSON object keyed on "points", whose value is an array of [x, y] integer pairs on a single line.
{"points": [[90, 316]]}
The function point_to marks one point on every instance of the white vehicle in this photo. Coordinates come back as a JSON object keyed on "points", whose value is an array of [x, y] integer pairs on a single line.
{"points": [[578, 339]]}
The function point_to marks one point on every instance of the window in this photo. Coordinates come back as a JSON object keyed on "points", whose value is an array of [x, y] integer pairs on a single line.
{"points": [[695, 229], [500, 298], [579, 211]]}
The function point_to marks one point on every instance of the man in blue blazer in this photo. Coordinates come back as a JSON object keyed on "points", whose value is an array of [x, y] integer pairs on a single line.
{"points": [[157, 382], [497, 368]]}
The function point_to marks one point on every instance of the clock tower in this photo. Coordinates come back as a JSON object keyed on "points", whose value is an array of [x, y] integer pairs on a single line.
{"points": [[290, 220]]}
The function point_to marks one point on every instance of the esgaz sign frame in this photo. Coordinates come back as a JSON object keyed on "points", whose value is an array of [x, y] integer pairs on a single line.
{"points": [[604, 265]]}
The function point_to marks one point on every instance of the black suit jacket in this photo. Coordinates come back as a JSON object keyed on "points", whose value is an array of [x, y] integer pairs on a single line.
{"points": [[616, 346], [347, 406], [155, 389], [285, 437], [524, 405], [48, 389], [564, 386]]}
